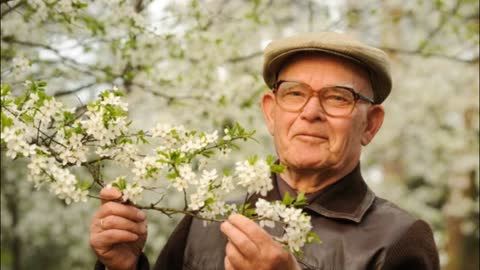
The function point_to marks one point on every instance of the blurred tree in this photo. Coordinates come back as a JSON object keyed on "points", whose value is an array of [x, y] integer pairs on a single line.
{"points": [[199, 63]]}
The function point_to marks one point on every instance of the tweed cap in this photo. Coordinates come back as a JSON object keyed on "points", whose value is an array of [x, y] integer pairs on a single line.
{"points": [[372, 59]]}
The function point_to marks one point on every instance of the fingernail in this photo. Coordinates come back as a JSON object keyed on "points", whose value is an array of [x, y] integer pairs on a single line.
{"points": [[141, 215]]}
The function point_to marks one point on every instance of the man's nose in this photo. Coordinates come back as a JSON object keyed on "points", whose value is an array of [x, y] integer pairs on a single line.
{"points": [[313, 111]]}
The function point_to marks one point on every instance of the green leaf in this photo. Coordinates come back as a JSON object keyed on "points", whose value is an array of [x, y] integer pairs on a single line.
{"points": [[222, 101], [83, 185], [141, 137], [208, 153], [253, 160], [249, 213], [277, 168], [243, 207], [96, 27], [301, 200], [41, 84], [6, 121], [287, 199], [209, 201], [5, 89], [79, 5], [227, 172], [26, 118], [68, 117], [121, 183], [270, 160], [172, 175], [313, 238], [78, 129], [118, 93], [151, 171], [125, 140], [68, 133], [19, 101]]}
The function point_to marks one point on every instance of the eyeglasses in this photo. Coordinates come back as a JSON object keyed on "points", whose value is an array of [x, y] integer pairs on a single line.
{"points": [[335, 101]]}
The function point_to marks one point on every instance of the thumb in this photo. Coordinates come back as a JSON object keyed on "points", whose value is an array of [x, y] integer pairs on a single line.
{"points": [[110, 194]]}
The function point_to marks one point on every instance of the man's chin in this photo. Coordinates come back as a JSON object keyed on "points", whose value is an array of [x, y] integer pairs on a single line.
{"points": [[307, 164]]}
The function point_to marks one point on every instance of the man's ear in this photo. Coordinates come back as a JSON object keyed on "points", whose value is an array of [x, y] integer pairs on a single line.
{"points": [[375, 117], [268, 106]]}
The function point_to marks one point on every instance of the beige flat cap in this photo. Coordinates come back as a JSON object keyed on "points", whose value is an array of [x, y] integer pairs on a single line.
{"points": [[374, 60]]}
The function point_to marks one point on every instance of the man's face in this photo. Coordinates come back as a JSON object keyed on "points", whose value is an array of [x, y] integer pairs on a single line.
{"points": [[310, 139]]}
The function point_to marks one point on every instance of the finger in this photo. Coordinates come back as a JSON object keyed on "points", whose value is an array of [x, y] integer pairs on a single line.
{"points": [[228, 264], [251, 229], [121, 223], [239, 239], [106, 239], [109, 194], [121, 210], [235, 257]]}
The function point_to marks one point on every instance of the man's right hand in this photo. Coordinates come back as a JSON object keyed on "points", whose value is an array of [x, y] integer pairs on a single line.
{"points": [[117, 232]]}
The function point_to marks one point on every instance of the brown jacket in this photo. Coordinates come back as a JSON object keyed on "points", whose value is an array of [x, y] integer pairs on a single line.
{"points": [[358, 231]]}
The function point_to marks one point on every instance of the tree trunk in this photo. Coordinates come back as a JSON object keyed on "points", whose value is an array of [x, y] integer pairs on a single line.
{"points": [[11, 191]]}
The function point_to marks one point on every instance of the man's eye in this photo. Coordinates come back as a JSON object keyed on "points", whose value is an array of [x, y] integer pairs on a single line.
{"points": [[294, 93], [337, 98]]}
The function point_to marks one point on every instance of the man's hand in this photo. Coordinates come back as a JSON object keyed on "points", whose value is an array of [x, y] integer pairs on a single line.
{"points": [[117, 232], [251, 247]]}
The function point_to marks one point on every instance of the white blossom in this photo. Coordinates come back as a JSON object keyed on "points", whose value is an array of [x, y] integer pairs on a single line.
{"points": [[112, 99], [65, 6], [48, 110], [20, 66], [256, 177], [192, 145], [160, 130], [227, 184], [17, 142], [295, 223], [185, 179], [211, 137], [203, 192], [132, 192], [96, 127], [142, 166]]}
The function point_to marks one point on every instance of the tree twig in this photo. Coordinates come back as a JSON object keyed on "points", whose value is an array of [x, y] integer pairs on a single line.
{"points": [[74, 90], [10, 8]]}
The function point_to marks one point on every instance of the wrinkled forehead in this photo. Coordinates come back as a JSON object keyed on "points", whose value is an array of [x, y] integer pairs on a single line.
{"points": [[302, 59]]}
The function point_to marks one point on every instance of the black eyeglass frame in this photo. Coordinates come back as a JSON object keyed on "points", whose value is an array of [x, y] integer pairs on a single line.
{"points": [[356, 96]]}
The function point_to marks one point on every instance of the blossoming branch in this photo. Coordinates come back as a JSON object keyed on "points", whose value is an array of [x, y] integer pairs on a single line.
{"points": [[56, 140]]}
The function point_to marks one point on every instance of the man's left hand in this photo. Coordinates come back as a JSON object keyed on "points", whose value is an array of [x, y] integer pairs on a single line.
{"points": [[251, 247]]}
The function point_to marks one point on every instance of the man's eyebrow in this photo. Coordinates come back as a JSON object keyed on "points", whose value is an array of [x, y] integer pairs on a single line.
{"points": [[340, 85]]}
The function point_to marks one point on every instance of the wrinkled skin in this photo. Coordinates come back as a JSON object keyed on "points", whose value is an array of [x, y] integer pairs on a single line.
{"points": [[251, 247], [119, 240], [316, 148]]}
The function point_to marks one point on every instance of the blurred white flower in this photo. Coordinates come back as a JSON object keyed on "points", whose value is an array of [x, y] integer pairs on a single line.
{"points": [[295, 223], [132, 192], [255, 178]]}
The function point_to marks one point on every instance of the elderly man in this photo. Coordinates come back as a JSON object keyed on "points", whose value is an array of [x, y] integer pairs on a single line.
{"points": [[325, 105]]}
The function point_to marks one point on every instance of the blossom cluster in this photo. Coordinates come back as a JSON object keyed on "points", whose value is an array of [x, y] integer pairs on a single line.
{"points": [[255, 176], [38, 127], [56, 140], [296, 224]]}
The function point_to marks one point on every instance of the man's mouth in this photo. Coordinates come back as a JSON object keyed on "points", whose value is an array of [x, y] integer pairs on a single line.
{"points": [[310, 137]]}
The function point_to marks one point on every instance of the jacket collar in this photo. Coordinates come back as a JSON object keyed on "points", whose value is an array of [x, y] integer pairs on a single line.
{"points": [[347, 199]]}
